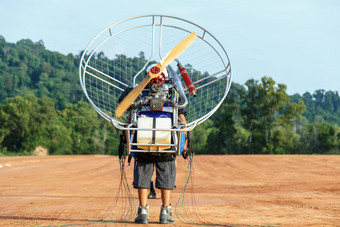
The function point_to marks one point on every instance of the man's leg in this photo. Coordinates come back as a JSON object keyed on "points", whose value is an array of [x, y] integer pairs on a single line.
{"points": [[165, 215], [143, 196], [166, 176], [142, 177], [166, 197]]}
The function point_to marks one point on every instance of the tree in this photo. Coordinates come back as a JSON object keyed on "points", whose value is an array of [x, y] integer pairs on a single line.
{"points": [[200, 136], [322, 105], [264, 108], [27, 67], [23, 121], [222, 136], [40, 104], [89, 133], [322, 138]]}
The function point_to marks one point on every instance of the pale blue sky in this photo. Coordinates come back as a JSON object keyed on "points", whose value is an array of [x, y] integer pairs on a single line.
{"points": [[296, 42]]}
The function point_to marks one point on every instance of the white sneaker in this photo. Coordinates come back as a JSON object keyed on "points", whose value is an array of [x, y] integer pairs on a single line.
{"points": [[143, 215], [165, 216]]}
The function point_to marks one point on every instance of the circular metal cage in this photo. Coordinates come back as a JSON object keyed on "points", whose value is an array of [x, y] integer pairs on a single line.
{"points": [[118, 56]]}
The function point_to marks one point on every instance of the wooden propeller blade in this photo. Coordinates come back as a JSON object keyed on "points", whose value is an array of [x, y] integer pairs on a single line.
{"points": [[171, 55], [178, 49], [131, 97]]}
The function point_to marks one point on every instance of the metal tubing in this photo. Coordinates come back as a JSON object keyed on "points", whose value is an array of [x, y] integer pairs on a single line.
{"points": [[108, 83], [86, 57]]}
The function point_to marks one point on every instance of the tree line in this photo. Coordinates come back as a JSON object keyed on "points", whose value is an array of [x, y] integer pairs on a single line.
{"points": [[262, 119], [41, 103]]}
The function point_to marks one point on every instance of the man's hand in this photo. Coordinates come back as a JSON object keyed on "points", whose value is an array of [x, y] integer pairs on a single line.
{"points": [[185, 154]]}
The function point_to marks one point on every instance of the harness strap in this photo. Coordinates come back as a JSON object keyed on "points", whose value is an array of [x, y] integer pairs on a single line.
{"points": [[122, 144]]}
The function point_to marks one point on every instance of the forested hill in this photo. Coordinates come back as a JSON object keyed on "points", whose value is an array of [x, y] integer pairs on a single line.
{"points": [[321, 106], [27, 67], [41, 103]]}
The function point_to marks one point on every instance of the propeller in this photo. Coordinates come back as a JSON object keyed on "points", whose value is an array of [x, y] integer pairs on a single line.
{"points": [[154, 72]]}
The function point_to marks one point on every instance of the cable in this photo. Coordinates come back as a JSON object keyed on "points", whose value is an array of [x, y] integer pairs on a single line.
{"points": [[123, 197], [121, 210]]}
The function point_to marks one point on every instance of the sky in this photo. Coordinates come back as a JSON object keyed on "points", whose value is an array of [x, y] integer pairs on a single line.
{"points": [[295, 42]]}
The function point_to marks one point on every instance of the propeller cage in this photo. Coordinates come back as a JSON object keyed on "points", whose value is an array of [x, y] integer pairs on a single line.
{"points": [[109, 66]]}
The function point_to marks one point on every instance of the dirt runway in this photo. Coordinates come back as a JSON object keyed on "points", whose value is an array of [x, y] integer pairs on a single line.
{"points": [[232, 190]]}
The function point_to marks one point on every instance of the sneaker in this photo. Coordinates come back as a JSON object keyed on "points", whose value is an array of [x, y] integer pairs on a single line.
{"points": [[152, 194], [143, 215], [165, 215]]}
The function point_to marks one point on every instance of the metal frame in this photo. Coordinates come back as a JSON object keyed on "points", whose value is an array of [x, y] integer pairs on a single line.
{"points": [[156, 21], [129, 130]]}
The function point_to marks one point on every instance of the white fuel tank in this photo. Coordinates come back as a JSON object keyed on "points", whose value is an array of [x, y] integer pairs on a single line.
{"points": [[154, 137]]}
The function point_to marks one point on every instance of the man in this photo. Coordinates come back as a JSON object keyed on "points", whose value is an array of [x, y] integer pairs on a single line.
{"points": [[165, 165]]}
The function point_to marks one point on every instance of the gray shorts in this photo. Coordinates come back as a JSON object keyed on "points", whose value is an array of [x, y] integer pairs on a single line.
{"points": [[165, 174]]}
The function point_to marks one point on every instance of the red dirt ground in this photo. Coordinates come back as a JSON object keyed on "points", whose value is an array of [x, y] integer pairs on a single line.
{"points": [[244, 190]]}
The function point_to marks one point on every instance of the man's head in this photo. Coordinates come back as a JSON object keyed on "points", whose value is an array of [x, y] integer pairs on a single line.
{"points": [[158, 80]]}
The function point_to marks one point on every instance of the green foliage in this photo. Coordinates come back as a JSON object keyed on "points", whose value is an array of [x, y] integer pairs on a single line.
{"points": [[27, 67], [263, 119], [23, 119], [84, 125], [200, 136], [30, 121], [266, 109], [40, 105], [222, 137], [320, 138], [322, 105]]}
